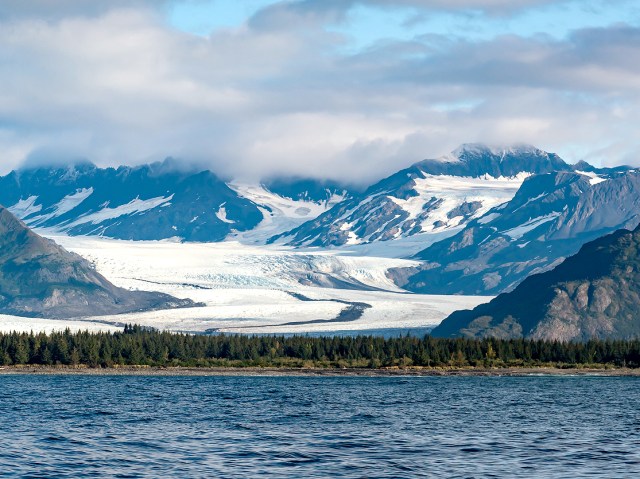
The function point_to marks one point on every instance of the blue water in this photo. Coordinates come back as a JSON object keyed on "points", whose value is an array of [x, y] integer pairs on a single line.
{"points": [[299, 427]]}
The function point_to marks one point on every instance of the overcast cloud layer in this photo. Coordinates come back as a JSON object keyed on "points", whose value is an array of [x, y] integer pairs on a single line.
{"points": [[279, 95]]}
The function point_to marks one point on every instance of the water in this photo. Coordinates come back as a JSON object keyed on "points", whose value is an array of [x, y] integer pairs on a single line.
{"points": [[299, 427]]}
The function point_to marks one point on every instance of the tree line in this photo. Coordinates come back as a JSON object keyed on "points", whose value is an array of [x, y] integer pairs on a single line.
{"points": [[136, 345]]}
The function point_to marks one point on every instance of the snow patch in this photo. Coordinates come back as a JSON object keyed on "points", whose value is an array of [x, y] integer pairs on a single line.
{"points": [[26, 207], [65, 205], [222, 214], [488, 218], [133, 207], [594, 179], [70, 202], [519, 231]]}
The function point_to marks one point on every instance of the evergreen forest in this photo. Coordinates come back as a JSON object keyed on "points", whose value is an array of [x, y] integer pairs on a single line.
{"points": [[136, 345]]}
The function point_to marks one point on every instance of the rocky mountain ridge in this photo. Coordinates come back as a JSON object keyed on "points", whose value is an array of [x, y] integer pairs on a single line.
{"points": [[431, 196], [548, 219], [40, 278], [167, 200], [156, 201], [593, 294]]}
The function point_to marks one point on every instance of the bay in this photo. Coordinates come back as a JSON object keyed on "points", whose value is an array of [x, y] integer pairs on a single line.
{"points": [[343, 427]]}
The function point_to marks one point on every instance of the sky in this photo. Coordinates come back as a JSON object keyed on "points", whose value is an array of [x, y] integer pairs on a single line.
{"points": [[343, 89]]}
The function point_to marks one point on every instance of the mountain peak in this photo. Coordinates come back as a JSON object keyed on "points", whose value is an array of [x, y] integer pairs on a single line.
{"points": [[8, 223], [468, 151], [478, 159]]}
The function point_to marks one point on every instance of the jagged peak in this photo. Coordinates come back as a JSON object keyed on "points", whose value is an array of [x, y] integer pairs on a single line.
{"points": [[474, 150], [583, 166], [77, 165]]}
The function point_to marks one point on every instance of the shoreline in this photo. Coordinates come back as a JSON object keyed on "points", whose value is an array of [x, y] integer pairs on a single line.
{"points": [[315, 372]]}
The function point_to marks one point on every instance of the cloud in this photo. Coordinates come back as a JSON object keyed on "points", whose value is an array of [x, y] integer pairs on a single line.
{"points": [[120, 86], [589, 60], [336, 10], [57, 9], [487, 6], [300, 14]]}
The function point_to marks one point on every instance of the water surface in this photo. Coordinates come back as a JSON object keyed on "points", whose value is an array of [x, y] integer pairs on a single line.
{"points": [[293, 427]]}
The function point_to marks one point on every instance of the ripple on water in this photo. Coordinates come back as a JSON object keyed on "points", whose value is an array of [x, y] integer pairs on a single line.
{"points": [[291, 427]]}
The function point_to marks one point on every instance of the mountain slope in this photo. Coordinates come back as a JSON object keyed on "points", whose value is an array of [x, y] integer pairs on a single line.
{"points": [[432, 196], [286, 204], [149, 202], [548, 219], [40, 278], [593, 294], [307, 189], [162, 200]]}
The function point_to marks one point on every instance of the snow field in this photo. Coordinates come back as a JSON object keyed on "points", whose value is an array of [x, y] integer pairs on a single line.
{"points": [[247, 289], [280, 214]]}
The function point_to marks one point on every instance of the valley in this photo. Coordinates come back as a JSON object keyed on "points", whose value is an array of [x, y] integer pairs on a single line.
{"points": [[250, 289]]}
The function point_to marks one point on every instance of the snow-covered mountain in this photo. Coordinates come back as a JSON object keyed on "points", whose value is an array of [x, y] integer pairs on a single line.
{"points": [[432, 196], [550, 218], [154, 201], [423, 204], [159, 201], [286, 204]]}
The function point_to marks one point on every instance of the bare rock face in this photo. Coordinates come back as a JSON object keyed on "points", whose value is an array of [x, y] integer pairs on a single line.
{"points": [[593, 294], [410, 201], [147, 202], [551, 216], [40, 278]]}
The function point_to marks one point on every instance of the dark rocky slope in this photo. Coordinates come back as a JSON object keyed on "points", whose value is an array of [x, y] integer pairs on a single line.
{"points": [[40, 278], [548, 219], [377, 214], [593, 294], [149, 202]]}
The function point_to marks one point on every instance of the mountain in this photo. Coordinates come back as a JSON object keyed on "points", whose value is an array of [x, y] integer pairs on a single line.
{"points": [[432, 196], [422, 204], [548, 219], [593, 294], [148, 202], [162, 200], [40, 278], [286, 203], [308, 189]]}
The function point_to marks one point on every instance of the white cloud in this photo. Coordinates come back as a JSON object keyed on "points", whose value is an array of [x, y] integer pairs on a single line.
{"points": [[58, 9], [120, 86]]}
